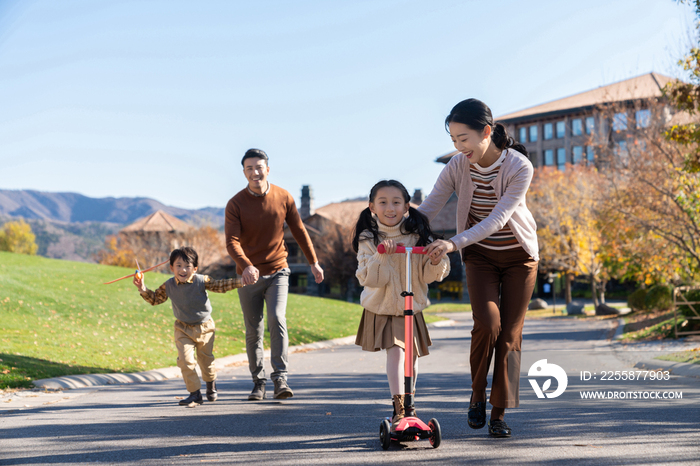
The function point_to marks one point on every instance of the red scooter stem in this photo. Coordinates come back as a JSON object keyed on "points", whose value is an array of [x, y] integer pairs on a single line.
{"points": [[408, 325]]}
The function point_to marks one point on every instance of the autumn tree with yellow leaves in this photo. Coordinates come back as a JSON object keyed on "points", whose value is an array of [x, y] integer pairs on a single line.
{"points": [[18, 237], [566, 206]]}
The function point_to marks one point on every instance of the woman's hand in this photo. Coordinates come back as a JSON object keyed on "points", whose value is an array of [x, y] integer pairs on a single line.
{"points": [[437, 250]]}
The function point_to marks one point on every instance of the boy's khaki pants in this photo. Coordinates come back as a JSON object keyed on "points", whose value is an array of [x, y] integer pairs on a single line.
{"points": [[200, 338]]}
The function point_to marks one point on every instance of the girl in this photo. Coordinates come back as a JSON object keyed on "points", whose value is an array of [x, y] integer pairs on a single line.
{"points": [[497, 235], [384, 276]]}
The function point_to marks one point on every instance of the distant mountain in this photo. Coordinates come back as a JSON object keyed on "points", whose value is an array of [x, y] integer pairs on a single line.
{"points": [[76, 208], [74, 227]]}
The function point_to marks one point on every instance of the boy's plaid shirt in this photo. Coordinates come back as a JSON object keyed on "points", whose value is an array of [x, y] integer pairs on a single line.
{"points": [[160, 296]]}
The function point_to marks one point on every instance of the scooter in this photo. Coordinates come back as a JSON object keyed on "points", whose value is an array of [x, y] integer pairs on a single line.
{"points": [[410, 428]]}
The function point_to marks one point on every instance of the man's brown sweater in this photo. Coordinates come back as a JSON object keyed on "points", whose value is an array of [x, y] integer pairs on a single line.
{"points": [[255, 230]]}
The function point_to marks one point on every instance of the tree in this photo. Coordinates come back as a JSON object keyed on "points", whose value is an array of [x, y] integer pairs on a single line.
{"points": [[18, 237], [209, 243], [152, 248], [653, 196], [566, 207], [685, 96], [336, 256]]}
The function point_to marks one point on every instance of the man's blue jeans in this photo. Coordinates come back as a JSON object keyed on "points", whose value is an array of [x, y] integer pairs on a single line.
{"points": [[269, 291]]}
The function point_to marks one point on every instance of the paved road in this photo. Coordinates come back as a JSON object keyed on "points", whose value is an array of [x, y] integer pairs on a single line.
{"points": [[341, 396]]}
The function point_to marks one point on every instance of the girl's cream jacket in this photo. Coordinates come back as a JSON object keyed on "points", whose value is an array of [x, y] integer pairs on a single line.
{"points": [[384, 275]]}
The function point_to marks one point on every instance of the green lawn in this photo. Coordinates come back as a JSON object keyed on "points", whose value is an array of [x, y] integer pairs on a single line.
{"points": [[690, 356], [57, 318]]}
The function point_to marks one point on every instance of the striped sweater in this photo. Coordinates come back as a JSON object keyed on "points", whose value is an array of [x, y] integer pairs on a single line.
{"points": [[483, 201]]}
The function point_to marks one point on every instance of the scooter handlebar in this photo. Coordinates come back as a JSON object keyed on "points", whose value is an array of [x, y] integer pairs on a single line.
{"points": [[402, 249]]}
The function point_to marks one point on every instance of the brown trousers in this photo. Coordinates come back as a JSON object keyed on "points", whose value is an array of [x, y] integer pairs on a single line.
{"points": [[199, 339], [500, 285]]}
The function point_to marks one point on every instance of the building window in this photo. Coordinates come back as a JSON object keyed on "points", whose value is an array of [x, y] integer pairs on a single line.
{"points": [[577, 154], [548, 131], [523, 134], [619, 122], [533, 133], [590, 155], [561, 158], [549, 157], [590, 125], [576, 127], [643, 118], [621, 152], [561, 129]]}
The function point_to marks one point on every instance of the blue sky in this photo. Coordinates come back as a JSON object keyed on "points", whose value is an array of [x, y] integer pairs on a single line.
{"points": [[161, 99]]}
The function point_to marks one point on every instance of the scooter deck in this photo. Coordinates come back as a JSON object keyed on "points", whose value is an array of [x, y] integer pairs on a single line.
{"points": [[411, 428]]}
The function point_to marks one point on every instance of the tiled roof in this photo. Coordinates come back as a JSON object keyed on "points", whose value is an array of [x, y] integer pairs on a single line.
{"points": [[641, 87], [343, 213], [158, 221]]}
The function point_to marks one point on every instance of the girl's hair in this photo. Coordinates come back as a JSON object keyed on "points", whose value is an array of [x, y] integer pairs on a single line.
{"points": [[416, 223], [477, 115]]}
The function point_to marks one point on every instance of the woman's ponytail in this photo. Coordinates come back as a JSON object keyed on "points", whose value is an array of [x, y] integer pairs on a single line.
{"points": [[503, 140]]}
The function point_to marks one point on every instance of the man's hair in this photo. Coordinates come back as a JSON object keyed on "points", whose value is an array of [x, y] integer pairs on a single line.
{"points": [[254, 154], [185, 253]]}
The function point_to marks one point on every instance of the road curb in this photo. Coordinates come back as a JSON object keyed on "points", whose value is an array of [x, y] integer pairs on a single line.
{"points": [[675, 368], [69, 382]]}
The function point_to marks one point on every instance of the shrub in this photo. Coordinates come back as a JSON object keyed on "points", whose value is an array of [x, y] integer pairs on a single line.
{"points": [[659, 298], [636, 299]]}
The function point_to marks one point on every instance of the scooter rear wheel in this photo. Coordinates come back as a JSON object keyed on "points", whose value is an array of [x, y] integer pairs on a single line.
{"points": [[385, 434], [435, 434]]}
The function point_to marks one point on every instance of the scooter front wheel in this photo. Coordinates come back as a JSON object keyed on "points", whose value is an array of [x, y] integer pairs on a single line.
{"points": [[435, 434], [385, 434]]}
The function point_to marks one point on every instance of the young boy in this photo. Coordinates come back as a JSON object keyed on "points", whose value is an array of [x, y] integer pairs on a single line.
{"points": [[194, 327]]}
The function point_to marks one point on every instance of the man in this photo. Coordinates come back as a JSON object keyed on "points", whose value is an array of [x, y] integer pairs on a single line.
{"points": [[255, 220]]}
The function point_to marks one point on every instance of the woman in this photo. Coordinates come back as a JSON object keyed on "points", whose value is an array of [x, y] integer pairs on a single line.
{"points": [[498, 239]]}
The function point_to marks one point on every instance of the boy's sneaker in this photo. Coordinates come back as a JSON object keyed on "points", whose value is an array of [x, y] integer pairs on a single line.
{"points": [[212, 395], [282, 390], [258, 392], [195, 397]]}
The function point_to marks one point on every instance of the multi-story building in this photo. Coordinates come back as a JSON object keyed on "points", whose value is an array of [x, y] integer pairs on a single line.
{"points": [[568, 130]]}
